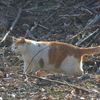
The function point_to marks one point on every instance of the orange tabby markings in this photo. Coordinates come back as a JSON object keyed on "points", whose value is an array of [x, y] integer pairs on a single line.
{"points": [[41, 62], [21, 41], [59, 51], [55, 56]]}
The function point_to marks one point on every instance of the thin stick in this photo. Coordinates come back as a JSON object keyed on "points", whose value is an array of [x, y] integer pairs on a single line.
{"points": [[49, 17], [43, 26], [79, 42], [58, 82], [92, 40], [75, 35], [74, 15], [34, 57], [31, 31], [12, 26]]}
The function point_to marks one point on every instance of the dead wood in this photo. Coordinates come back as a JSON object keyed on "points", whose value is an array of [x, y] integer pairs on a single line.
{"points": [[31, 9], [87, 11], [75, 8], [79, 42], [43, 27], [12, 26], [16, 2], [94, 22], [72, 15], [92, 40], [96, 8], [75, 35], [49, 17], [54, 7], [3, 24], [59, 82], [3, 2], [91, 2], [88, 8], [30, 33]]}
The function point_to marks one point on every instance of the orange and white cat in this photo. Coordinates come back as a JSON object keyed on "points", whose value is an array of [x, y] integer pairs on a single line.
{"points": [[56, 56]]}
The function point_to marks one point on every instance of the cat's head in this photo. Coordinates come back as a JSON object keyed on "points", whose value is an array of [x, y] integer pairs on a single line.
{"points": [[19, 45]]}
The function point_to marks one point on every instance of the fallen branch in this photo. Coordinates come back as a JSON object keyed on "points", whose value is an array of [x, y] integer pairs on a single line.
{"points": [[48, 17], [59, 82], [96, 8], [91, 2], [95, 21], [86, 7], [30, 33], [75, 8], [92, 40], [12, 26], [43, 26], [79, 42], [15, 3], [87, 11], [74, 15], [54, 7], [75, 35]]}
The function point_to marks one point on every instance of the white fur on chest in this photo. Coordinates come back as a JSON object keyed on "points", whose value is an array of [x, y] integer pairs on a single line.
{"points": [[32, 56]]}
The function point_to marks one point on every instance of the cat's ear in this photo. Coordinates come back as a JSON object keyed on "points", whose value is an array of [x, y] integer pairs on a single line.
{"points": [[23, 40]]}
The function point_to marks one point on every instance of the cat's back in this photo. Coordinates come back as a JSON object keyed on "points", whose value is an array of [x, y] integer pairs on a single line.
{"points": [[53, 46]]}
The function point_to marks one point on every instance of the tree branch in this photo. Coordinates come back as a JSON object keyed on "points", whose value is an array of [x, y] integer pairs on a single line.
{"points": [[59, 82], [12, 26]]}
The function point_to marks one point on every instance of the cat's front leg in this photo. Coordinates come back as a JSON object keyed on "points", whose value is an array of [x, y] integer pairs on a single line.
{"points": [[26, 69], [30, 68]]}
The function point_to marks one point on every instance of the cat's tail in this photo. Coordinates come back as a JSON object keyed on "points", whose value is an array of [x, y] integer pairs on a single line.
{"points": [[90, 50]]}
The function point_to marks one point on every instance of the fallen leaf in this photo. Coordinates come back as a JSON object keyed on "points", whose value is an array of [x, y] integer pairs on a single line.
{"points": [[85, 59], [41, 73]]}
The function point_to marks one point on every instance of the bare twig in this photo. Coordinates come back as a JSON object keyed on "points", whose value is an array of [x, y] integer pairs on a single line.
{"points": [[96, 20], [79, 42], [4, 2], [43, 26], [58, 82], [13, 24], [92, 40], [4, 60], [27, 31], [34, 57], [30, 9], [49, 17], [75, 8], [91, 2], [32, 29], [75, 35], [16, 2], [54, 7], [30, 33], [89, 9], [72, 15], [96, 8]]}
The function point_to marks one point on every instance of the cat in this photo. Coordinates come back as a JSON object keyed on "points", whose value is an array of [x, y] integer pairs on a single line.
{"points": [[55, 56]]}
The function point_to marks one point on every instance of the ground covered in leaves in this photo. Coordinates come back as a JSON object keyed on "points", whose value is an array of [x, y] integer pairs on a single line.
{"points": [[72, 21]]}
